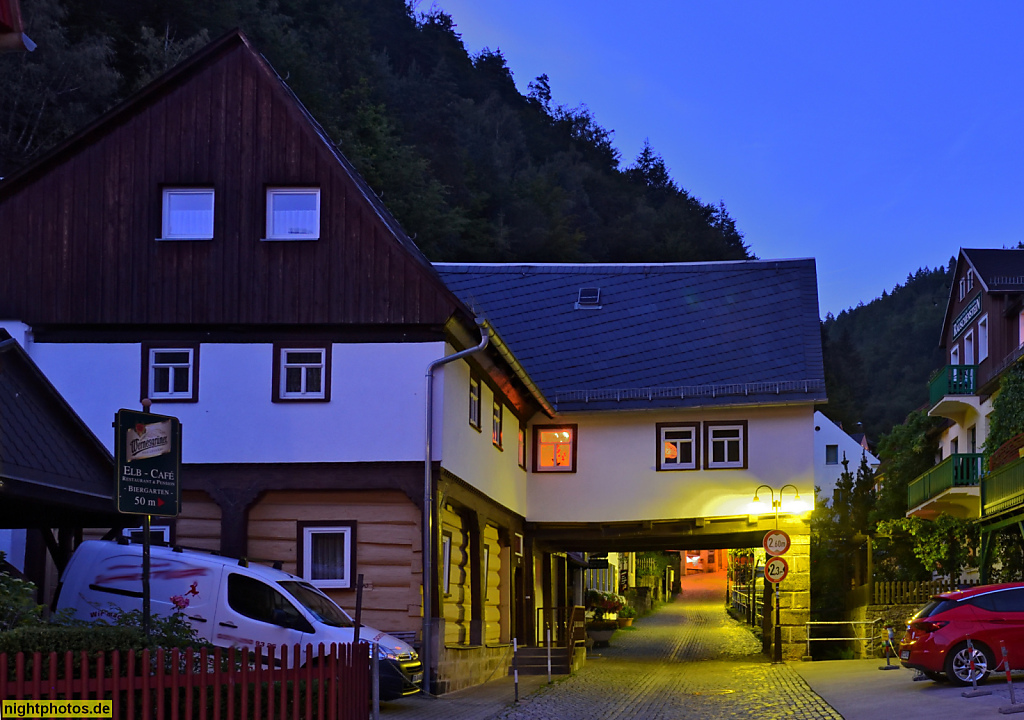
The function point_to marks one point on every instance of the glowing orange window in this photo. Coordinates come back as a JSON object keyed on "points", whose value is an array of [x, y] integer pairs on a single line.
{"points": [[555, 449]]}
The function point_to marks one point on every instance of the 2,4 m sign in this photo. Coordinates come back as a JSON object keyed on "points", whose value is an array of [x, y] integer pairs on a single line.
{"points": [[147, 449]]}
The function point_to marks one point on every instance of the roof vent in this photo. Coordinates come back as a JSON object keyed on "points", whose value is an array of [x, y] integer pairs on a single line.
{"points": [[588, 299]]}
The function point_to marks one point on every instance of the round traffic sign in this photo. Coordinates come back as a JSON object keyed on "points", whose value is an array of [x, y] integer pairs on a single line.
{"points": [[776, 570], [776, 542]]}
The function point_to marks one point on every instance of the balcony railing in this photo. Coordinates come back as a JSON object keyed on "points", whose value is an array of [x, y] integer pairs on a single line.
{"points": [[1003, 489], [953, 380], [958, 470]]}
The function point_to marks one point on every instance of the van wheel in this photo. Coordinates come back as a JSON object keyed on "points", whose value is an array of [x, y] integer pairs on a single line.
{"points": [[958, 668]]}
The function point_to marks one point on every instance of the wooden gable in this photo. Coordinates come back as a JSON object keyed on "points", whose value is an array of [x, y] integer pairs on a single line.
{"points": [[78, 229]]}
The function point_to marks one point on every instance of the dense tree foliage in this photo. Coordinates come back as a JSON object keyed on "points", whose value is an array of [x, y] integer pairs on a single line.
{"points": [[472, 168], [879, 356], [1007, 418]]}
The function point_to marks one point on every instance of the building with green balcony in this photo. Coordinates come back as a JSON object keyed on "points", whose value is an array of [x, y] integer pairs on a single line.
{"points": [[982, 336]]}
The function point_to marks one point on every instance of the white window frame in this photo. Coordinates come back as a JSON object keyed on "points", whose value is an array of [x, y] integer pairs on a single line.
{"points": [[476, 391], [521, 450], [174, 369], [571, 441], [963, 288], [170, 192], [969, 347], [446, 563], [497, 423], [664, 463], [275, 192], [970, 280], [954, 355], [347, 578], [983, 338], [711, 429], [284, 365]]}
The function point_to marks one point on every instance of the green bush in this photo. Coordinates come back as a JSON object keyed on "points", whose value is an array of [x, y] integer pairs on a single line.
{"points": [[53, 638], [18, 607]]}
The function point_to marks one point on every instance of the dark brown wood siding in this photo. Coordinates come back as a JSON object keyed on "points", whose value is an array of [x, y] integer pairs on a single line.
{"points": [[78, 239]]}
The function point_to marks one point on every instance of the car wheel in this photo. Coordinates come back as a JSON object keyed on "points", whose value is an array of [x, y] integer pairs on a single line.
{"points": [[958, 668]]}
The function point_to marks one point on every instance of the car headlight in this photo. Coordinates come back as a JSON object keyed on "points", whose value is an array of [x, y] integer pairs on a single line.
{"points": [[384, 654]]}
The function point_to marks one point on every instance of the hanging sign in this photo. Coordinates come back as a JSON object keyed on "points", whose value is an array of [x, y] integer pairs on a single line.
{"points": [[776, 542], [776, 570]]}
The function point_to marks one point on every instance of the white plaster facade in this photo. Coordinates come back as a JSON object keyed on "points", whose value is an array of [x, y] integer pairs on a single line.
{"points": [[617, 479], [831, 445]]}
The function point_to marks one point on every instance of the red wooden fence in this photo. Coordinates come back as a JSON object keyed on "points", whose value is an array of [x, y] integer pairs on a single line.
{"points": [[200, 685]]}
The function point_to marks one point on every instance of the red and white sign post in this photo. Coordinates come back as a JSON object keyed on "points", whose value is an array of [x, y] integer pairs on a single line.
{"points": [[776, 543]]}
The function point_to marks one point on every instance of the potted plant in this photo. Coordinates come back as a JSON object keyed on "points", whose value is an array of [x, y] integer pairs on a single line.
{"points": [[626, 615], [605, 604]]}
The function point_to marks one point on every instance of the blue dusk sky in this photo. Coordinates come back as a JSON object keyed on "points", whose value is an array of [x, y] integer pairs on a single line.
{"points": [[876, 137]]}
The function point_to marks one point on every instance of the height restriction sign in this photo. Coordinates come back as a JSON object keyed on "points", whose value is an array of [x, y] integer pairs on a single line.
{"points": [[776, 542], [147, 449], [776, 570]]}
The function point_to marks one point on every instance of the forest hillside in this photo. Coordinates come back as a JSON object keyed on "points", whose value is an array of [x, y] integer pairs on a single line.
{"points": [[472, 168]]}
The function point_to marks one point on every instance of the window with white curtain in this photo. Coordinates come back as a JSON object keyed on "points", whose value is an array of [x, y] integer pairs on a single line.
{"points": [[327, 554], [187, 214], [293, 214]]}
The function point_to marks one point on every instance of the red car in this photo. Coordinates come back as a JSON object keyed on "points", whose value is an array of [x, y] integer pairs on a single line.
{"points": [[936, 639]]}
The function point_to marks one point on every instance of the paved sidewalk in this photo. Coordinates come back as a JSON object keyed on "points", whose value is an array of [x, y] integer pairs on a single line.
{"points": [[688, 660]]}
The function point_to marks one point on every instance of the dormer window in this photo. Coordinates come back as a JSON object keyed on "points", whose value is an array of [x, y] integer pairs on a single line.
{"points": [[293, 214], [187, 214], [589, 298]]}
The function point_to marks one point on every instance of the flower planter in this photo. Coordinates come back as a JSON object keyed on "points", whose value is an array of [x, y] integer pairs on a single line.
{"points": [[600, 637], [625, 622]]}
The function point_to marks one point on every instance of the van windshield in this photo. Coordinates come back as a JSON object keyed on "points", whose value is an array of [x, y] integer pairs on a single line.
{"points": [[319, 605]]}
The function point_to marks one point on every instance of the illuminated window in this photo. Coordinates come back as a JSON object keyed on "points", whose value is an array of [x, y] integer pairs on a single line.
{"points": [[293, 214], [302, 374], [496, 422], [474, 402], [725, 445], [522, 448], [677, 446], [554, 448]]}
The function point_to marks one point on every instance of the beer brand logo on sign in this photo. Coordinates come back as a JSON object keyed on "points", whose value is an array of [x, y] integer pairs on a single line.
{"points": [[147, 441]]}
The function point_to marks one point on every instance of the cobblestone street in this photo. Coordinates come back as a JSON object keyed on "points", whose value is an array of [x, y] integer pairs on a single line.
{"points": [[688, 660]]}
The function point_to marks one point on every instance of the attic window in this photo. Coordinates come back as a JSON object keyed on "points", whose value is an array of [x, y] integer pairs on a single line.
{"points": [[588, 299]]}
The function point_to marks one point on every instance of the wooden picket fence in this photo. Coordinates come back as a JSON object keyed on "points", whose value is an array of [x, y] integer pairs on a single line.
{"points": [[913, 592], [232, 684]]}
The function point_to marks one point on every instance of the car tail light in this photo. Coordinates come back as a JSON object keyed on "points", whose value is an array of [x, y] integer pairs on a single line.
{"points": [[928, 626]]}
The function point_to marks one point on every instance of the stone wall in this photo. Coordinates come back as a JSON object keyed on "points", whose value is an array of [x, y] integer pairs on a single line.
{"points": [[795, 590], [895, 615], [460, 667]]}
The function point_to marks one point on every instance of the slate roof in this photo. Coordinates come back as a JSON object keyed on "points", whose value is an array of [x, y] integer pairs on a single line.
{"points": [[53, 471], [666, 335], [1000, 270]]}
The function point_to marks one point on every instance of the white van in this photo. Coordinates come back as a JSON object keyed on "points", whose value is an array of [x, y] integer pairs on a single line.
{"points": [[227, 603]]}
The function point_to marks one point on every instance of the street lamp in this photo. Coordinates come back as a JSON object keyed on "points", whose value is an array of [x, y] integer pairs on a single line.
{"points": [[777, 506]]}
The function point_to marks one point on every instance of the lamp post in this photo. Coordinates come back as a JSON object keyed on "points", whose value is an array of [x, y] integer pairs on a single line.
{"points": [[776, 506]]}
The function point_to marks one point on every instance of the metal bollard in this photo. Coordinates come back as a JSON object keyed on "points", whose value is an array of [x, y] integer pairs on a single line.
{"points": [[515, 666], [375, 679], [548, 629], [890, 637], [974, 691], [1013, 706]]}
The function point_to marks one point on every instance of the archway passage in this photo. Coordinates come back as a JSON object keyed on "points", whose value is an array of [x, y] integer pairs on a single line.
{"points": [[612, 556]]}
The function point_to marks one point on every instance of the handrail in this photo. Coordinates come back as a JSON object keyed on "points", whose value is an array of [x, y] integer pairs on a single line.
{"points": [[1003, 489], [864, 639]]}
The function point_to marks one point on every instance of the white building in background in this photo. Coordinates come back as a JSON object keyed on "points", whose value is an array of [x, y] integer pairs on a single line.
{"points": [[832, 445]]}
